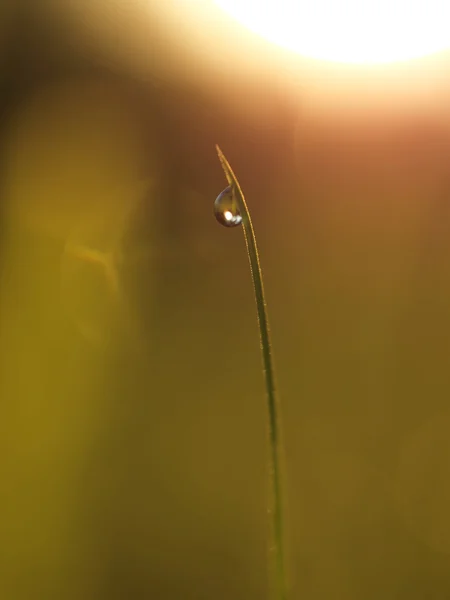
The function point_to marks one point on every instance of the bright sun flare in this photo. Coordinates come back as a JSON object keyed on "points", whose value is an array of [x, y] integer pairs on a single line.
{"points": [[349, 31]]}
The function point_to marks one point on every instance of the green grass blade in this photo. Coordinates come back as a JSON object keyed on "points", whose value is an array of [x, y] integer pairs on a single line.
{"points": [[272, 401]]}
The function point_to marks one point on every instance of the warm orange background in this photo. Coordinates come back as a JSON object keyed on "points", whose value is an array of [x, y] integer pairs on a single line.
{"points": [[132, 429]]}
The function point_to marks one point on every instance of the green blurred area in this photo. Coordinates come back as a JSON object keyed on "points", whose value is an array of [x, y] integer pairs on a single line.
{"points": [[132, 429]]}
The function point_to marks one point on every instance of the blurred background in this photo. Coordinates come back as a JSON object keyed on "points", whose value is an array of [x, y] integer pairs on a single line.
{"points": [[133, 419]]}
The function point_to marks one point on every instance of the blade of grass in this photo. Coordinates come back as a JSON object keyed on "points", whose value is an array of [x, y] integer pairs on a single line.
{"points": [[275, 444]]}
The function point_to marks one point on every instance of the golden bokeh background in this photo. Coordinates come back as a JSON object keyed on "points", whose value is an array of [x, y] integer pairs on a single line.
{"points": [[132, 429]]}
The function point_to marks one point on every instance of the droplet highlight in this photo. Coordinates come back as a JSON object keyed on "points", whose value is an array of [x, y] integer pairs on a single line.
{"points": [[226, 209]]}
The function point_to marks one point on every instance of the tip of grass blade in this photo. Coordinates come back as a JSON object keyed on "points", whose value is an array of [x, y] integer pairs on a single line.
{"points": [[226, 167], [219, 152], [233, 181]]}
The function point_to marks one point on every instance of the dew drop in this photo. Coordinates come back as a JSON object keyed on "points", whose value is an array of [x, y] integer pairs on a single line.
{"points": [[226, 209]]}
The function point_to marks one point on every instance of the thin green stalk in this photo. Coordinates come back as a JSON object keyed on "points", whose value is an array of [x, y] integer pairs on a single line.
{"points": [[275, 443]]}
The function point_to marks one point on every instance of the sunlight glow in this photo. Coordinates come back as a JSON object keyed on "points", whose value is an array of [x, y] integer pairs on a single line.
{"points": [[349, 31]]}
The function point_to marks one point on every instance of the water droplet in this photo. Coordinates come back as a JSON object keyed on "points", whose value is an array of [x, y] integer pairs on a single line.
{"points": [[226, 209]]}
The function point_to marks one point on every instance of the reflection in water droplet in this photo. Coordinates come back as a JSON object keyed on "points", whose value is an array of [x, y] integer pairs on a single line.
{"points": [[226, 209]]}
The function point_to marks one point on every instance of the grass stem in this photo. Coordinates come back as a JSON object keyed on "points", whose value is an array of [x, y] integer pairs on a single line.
{"points": [[275, 444]]}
